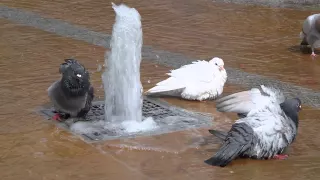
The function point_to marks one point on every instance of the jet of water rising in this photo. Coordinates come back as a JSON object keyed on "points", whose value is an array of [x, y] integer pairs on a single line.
{"points": [[121, 78]]}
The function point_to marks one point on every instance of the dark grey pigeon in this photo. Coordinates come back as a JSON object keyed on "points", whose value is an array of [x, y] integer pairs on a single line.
{"points": [[310, 33], [268, 125], [72, 95]]}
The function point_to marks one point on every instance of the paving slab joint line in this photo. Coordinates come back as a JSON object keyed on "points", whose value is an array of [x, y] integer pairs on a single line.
{"points": [[166, 58]]}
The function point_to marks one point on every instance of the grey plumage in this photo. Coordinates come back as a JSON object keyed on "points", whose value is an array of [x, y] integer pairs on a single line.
{"points": [[240, 138], [219, 134], [310, 33], [72, 95], [268, 125]]}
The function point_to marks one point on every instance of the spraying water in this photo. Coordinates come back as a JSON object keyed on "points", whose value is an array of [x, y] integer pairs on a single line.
{"points": [[121, 79], [123, 90]]}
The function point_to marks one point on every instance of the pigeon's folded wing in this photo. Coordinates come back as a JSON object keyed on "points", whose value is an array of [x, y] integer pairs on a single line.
{"points": [[306, 27], [308, 24], [197, 74], [198, 71]]}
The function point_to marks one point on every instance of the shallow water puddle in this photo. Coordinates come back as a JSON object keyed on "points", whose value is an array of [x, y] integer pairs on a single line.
{"points": [[168, 118]]}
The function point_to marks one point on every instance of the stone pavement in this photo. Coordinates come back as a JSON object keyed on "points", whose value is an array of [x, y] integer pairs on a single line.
{"points": [[301, 4], [171, 59]]}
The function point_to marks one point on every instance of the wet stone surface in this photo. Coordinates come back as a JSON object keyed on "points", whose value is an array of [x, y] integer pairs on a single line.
{"points": [[236, 76], [298, 4], [168, 118]]}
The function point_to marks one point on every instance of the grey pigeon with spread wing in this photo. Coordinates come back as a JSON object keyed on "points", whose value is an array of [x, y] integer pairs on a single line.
{"points": [[72, 95], [310, 33], [268, 125]]}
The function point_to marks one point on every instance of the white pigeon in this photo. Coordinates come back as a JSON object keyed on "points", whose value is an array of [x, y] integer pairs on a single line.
{"points": [[268, 125], [201, 80], [310, 33]]}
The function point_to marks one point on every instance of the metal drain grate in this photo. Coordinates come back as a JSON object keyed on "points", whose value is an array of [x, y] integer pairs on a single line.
{"points": [[168, 118]]}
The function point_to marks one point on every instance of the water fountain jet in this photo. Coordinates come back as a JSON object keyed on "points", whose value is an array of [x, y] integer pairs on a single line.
{"points": [[121, 79]]}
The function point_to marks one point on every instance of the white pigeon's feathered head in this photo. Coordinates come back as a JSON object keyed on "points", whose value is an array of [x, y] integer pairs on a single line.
{"points": [[218, 62]]}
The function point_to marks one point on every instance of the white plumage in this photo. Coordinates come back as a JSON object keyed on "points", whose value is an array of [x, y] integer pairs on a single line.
{"points": [[252, 101], [200, 80]]}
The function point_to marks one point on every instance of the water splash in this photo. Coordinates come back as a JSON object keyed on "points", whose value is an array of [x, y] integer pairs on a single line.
{"points": [[121, 79]]}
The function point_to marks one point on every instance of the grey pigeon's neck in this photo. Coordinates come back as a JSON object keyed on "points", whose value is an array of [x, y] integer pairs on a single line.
{"points": [[291, 113]]}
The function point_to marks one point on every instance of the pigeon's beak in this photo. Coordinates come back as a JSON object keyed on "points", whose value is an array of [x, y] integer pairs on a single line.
{"points": [[221, 68], [300, 108]]}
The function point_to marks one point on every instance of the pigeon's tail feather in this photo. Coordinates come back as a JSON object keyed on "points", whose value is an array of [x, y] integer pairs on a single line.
{"points": [[174, 93], [238, 140], [220, 134], [225, 155]]}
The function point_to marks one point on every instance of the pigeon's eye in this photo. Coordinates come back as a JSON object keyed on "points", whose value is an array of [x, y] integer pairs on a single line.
{"points": [[216, 64], [299, 106]]}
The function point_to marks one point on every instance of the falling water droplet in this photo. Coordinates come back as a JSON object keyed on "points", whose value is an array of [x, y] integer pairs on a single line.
{"points": [[99, 68]]}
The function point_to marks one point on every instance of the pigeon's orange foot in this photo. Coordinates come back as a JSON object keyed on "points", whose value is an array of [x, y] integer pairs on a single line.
{"points": [[57, 117], [280, 156], [313, 54]]}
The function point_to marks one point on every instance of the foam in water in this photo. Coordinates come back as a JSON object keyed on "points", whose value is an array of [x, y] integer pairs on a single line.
{"points": [[134, 126], [121, 79], [85, 127]]}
